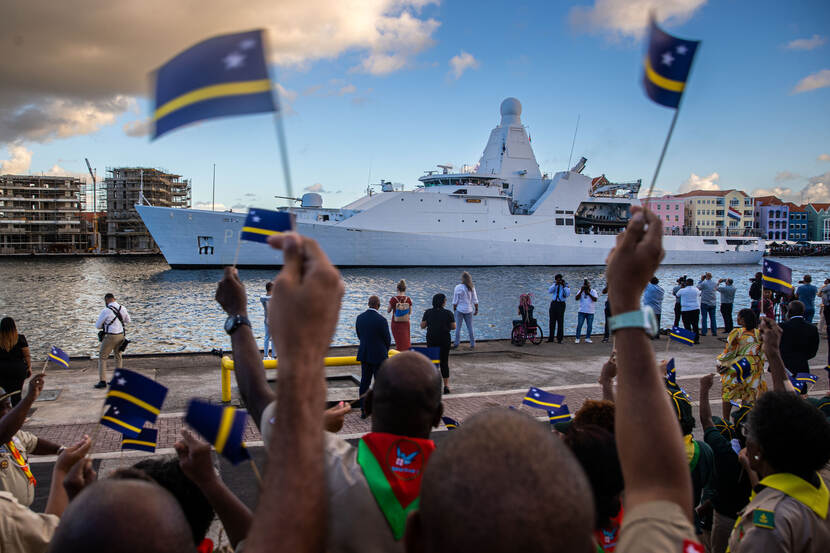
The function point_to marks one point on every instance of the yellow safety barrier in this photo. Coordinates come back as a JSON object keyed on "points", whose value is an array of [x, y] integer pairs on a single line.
{"points": [[226, 367]]}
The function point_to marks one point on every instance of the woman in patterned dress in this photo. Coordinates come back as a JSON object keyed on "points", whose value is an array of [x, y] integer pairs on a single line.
{"points": [[743, 341]]}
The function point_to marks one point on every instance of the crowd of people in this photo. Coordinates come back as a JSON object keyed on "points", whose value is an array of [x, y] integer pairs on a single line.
{"points": [[626, 474]]}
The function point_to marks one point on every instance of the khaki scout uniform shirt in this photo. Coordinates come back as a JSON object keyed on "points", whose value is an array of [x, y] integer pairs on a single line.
{"points": [[355, 522], [12, 477], [657, 527], [786, 514], [23, 530]]}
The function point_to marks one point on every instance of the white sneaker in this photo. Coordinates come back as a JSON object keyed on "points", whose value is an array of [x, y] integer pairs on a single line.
{"points": [[576, 341], [588, 341], [267, 358]]}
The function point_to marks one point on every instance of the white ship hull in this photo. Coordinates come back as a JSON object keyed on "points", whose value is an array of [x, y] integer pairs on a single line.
{"points": [[178, 232]]}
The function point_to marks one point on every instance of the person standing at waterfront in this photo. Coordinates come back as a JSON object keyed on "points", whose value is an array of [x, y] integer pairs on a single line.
{"points": [[465, 306], [559, 292], [375, 340], [439, 322], [742, 342], [708, 303], [681, 282], [653, 297], [806, 294], [690, 307], [727, 298], [799, 341], [606, 331], [268, 351], [15, 359], [755, 292], [400, 306], [111, 323], [587, 298]]}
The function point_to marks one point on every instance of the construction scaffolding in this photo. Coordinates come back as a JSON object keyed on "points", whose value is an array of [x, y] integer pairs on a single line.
{"points": [[43, 214], [125, 187]]}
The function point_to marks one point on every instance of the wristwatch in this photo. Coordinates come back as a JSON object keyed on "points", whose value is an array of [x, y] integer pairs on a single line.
{"points": [[235, 321], [643, 318]]}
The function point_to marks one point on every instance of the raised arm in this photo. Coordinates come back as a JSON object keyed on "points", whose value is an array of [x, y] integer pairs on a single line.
{"points": [[607, 376], [247, 363], [13, 421], [654, 462], [705, 406], [292, 511], [771, 344]]}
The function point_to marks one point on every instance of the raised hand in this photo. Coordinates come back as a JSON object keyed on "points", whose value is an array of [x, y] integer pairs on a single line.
{"points": [[231, 293], [36, 386], [333, 416]]}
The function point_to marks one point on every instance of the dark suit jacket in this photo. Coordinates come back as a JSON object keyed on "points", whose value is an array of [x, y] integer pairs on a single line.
{"points": [[375, 339], [799, 344]]}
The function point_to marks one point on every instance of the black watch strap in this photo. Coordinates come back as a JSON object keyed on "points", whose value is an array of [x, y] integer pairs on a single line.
{"points": [[234, 322]]}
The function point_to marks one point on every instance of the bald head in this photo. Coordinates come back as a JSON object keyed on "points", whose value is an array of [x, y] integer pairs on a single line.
{"points": [[502, 483], [116, 515], [406, 398]]}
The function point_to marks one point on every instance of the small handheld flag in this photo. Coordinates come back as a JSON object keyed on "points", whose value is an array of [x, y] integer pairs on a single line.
{"points": [[450, 423], [127, 424], [802, 381], [541, 399], [223, 75], [742, 368], [777, 277], [671, 371], [667, 65], [145, 441], [59, 357], [560, 414], [682, 335], [136, 394], [434, 353], [262, 223], [223, 427]]}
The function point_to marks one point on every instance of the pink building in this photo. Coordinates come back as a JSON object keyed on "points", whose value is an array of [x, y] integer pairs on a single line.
{"points": [[670, 210]]}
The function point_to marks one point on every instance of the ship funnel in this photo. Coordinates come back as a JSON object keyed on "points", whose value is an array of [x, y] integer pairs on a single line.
{"points": [[580, 165]]}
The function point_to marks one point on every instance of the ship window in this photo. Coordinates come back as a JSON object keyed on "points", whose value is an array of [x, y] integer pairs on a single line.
{"points": [[569, 212], [560, 212], [569, 221], [560, 221], [325, 217], [504, 185], [710, 241], [460, 191]]}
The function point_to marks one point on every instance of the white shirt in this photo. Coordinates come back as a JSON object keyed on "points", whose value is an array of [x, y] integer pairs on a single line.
{"points": [[689, 298], [463, 299], [109, 322], [586, 304]]}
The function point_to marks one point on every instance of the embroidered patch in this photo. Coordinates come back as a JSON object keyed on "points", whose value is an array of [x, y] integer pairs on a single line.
{"points": [[405, 459], [4, 464], [763, 519], [690, 546]]}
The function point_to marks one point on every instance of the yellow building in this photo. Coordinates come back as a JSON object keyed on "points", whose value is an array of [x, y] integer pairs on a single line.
{"points": [[718, 212]]}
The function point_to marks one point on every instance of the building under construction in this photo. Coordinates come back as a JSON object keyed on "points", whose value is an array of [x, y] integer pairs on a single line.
{"points": [[126, 186], [43, 214]]}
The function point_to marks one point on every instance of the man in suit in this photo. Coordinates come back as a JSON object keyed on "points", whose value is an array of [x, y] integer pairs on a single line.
{"points": [[375, 339], [799, 340]]}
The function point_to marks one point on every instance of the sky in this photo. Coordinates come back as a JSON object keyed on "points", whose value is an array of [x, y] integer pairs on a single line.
{"points": [[387, 89]]}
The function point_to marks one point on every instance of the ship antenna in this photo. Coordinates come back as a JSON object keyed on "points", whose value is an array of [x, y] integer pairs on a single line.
{"points": [[574, 140]]}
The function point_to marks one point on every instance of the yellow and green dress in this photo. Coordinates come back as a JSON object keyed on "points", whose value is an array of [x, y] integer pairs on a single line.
{"points": [[739, 344]]}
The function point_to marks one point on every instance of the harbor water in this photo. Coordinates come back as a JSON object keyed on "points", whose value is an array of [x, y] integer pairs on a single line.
{"points": [[56, 301]]}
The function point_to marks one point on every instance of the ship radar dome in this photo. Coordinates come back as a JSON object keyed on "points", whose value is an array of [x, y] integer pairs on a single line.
{"points": [[511, 111]]}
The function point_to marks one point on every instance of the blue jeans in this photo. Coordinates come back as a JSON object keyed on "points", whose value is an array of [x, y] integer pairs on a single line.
{"points": [[581, 318], [707, 311], [267, 343], [467, 318]]}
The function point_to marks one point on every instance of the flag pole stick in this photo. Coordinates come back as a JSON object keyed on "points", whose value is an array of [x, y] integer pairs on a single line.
{"points": [[668, 343], [663, 153], [280, 128], [236, 254], [43, 370], [256, 472]]}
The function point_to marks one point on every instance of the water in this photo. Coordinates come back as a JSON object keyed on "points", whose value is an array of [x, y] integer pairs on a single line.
{"points": [[56, 301]]}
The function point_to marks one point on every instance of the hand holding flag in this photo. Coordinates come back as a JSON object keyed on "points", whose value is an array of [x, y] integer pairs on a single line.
{"points": [[223, 427], [262, 223]]}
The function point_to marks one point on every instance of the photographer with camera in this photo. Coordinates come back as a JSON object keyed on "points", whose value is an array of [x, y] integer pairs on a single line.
{"points": [[681, 282], [111, 323], [587, 298], [559, 292]]}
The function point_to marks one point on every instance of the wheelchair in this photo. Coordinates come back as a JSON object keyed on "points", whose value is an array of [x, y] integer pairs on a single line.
{"points": [[526, 329]]}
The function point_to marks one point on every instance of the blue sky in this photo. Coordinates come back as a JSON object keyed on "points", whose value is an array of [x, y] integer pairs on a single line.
{"points": [[741, 124]]}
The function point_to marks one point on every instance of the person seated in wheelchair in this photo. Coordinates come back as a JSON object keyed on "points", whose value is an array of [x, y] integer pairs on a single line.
{"points": [[526, 313]]}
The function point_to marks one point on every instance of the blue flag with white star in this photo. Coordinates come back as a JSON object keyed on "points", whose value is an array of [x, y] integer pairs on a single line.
{"points": [[450, 423], [127, 423], [541, 399], [667, 65], [682, 335], [262, 223], [802, 381], [777, 277], [560, 414], [223, 75], [135, 394], [59, 357], [147, 440]]}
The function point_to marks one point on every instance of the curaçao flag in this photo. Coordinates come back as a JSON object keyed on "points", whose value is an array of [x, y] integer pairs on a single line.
{"points": [[777, 277], [136, 395], [734, 214], [221, 76], [222, 426], [540, 399], [682, 335], [667, 65], [147, 440], [560, 414], [59, 357], [432, 353], [450, 423], [127, 423], [262, 223]]}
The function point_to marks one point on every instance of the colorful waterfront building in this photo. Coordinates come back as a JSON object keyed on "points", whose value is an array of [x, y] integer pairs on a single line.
{"points": [[719, 212], [670, 210], [798, 222], [772, 218], [818, 222]]}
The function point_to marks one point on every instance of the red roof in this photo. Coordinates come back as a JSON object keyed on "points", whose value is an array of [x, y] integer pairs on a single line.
{"points": [[795, 208], [704, 193], [769, 200], [820, 207]]}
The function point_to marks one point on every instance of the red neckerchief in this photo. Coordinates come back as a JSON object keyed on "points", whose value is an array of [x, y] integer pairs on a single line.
{"points": [[20, 461]]}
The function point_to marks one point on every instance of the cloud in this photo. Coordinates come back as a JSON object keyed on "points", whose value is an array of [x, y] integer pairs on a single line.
{"points": [[139, 127], [630, 17], [695, 182], [823, 157], [208, 206], [19, 161], [819, 79], [815, 190], [461, 63], [783, 176], [316, 187], [58, 171], [348, 89], [360, 100], [806, 43], [286, 99], [64, 79]]}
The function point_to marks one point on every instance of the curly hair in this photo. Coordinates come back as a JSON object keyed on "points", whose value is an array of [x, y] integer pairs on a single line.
{"points": [[596, 412], [596, 450], [793, 435]]}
